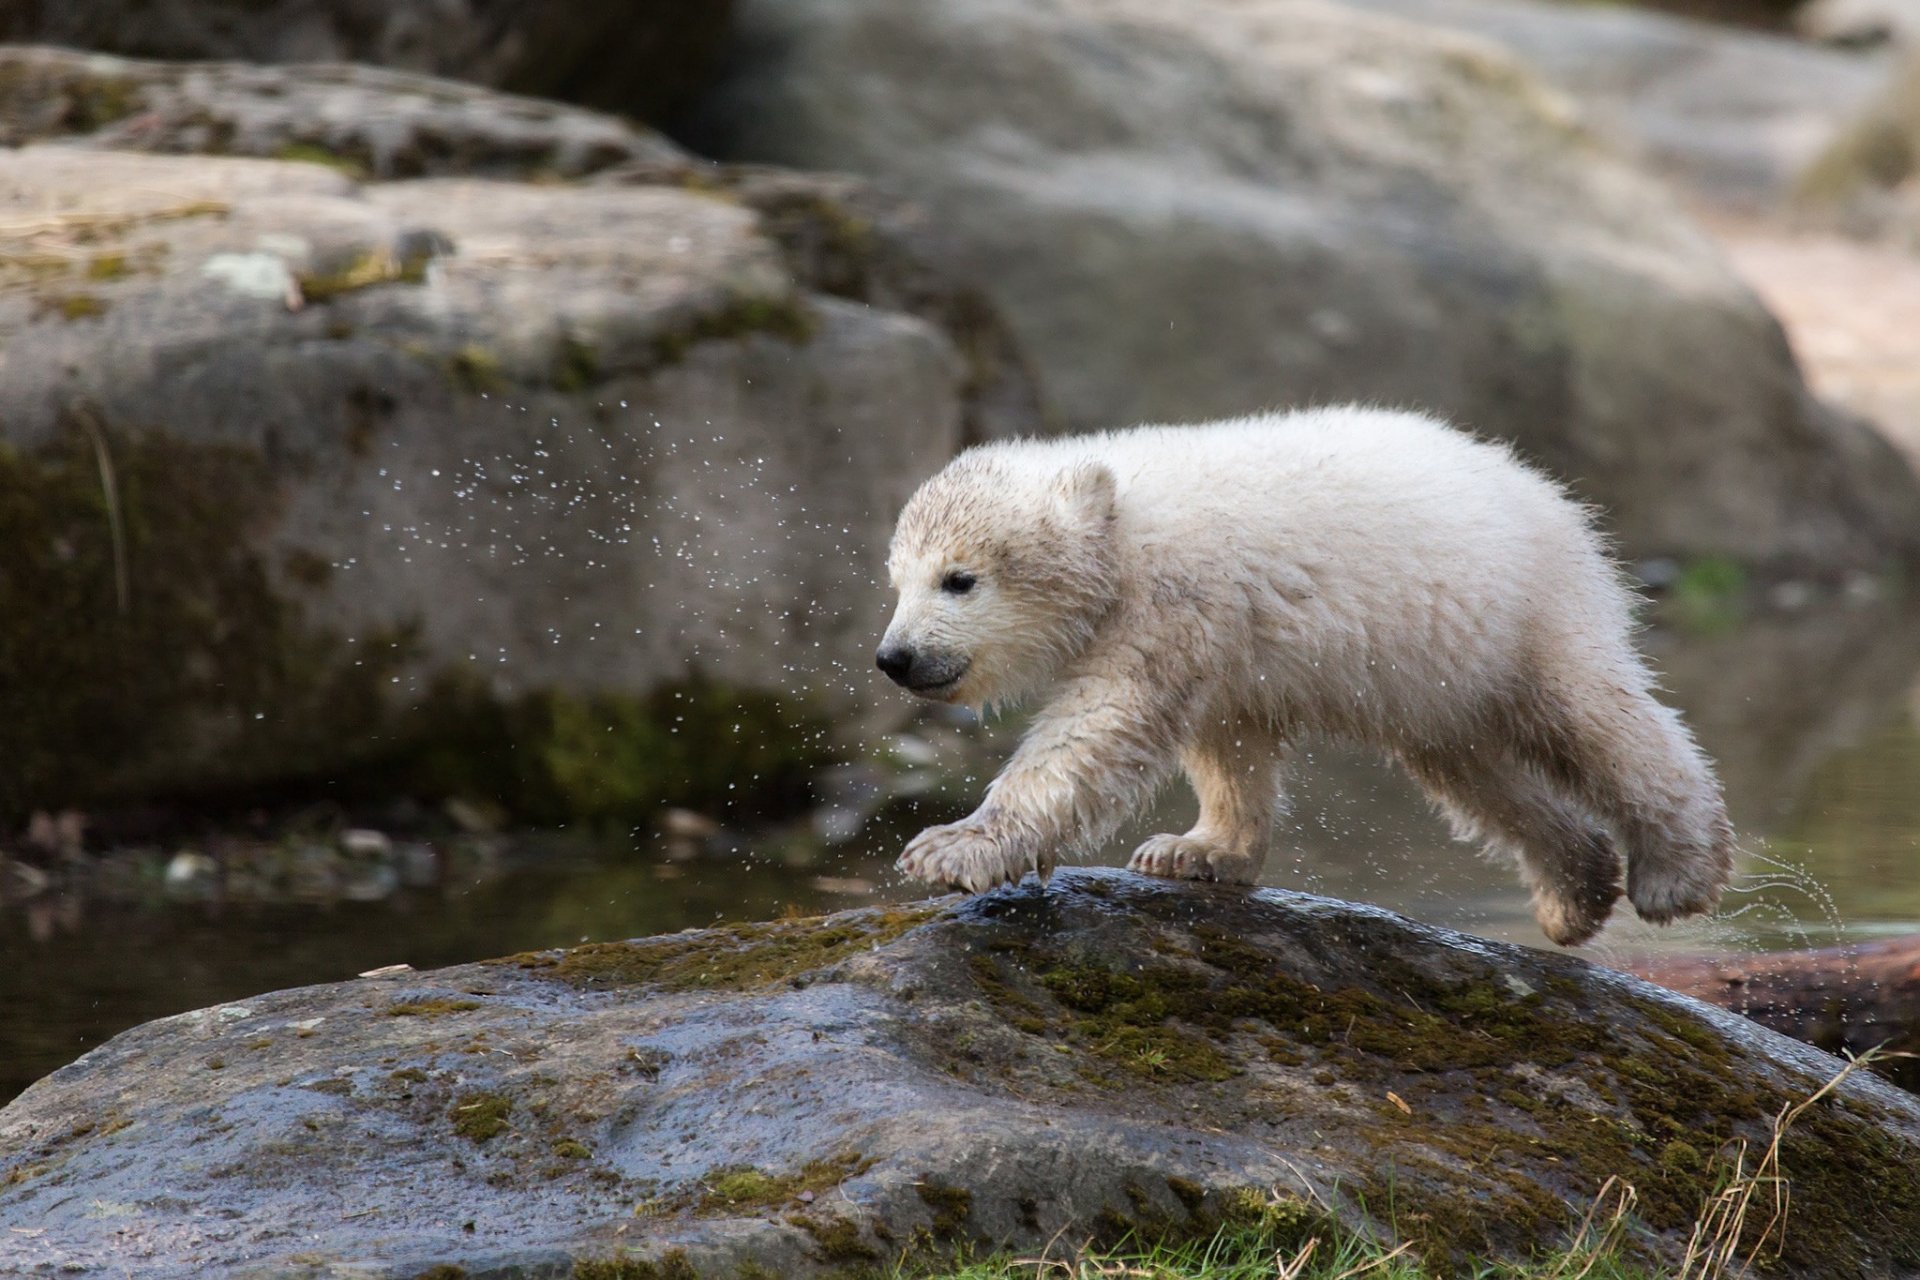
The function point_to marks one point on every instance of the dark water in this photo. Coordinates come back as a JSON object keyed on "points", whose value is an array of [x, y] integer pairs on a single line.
{"points": [[1814, 718]]}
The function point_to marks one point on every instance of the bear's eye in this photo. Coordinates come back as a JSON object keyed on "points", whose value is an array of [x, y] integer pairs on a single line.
{"points": [[959, 582]]}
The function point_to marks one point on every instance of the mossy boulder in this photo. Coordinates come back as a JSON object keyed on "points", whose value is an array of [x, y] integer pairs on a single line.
{"points": [[563, 495], [1110, 1055]]}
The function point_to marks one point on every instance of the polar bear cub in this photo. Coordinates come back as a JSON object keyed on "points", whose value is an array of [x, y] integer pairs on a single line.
{"points": [[1202, 597]]}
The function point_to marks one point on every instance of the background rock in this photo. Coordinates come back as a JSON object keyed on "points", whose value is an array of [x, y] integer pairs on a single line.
{"points": [[1731, 116], [1868, 180], [1210, 210], [1860, 22], [310, 470], [365, 120], [635, 56], [1109, 1055]]}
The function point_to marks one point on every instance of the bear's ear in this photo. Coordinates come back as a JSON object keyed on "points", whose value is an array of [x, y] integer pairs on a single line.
{"points": [[1086, 494]]}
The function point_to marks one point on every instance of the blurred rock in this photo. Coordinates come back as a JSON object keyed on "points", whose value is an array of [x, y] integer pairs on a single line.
{"points": [[635, 56], [1211, 209], [1732, 116], [426, 448], [191, 875], [358, 842], [1860, 22], [363, 120], [1867, 182]]}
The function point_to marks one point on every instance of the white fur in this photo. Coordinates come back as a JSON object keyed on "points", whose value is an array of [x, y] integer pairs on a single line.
{"points": [[1199, 597]]}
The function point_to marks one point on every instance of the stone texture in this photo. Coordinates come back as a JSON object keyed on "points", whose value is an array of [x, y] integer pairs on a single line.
{"points": [[1111, 1054], [636, 56], [1201, 211]]}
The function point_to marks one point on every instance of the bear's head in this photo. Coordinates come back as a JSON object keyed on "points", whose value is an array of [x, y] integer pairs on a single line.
{"points": [[1004, 572]]}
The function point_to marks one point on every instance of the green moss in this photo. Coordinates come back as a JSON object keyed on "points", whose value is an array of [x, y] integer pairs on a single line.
{"points": [[66, 100], [575, 367], [744, 1189], [835, 1238], [442, 1271], [313, 153], [76, 306], [1189, 1193], [1709, 596], [477, 371], [434, 1008], [572, 1149], [555, 758], [952, 1206], [108, 266], [408, 1075], [364, 271], [480, 1116], [787, 318], [671, 1265], [118, 650], [729, 957]]}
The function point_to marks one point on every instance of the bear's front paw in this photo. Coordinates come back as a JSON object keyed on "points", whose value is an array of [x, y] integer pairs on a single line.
{"points": [[963, 856], [1190, 858]]}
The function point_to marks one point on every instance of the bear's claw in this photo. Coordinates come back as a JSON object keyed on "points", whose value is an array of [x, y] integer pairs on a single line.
{"points": [[1190, 858], [963, 857]]}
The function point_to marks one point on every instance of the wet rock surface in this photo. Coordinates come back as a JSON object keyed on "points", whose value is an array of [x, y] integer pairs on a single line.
{"points": [[805, 1096], [1210, 209]]}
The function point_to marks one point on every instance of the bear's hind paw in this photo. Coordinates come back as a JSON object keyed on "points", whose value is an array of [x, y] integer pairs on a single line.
{"points": [[1191, 858]]}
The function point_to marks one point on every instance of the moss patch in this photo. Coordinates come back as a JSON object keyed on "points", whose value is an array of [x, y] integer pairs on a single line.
{"points": [[671, 1265], [434, 1008], [730, 957], [951, 1206], [835, 1238], [134, 615], [744, 1189], [787, 318], [364, 271], [313, 153], [552, 758], [480, 1116]]}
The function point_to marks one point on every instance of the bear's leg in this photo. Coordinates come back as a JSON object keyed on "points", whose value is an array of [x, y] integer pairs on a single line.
{"points": [[1236, 775], [1567, 860], [1634, 763]]}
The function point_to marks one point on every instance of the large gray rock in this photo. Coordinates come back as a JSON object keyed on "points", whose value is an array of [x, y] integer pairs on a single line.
{"points": [[308, 469], [635, 56], [1111, 1054], [1207, 209]]}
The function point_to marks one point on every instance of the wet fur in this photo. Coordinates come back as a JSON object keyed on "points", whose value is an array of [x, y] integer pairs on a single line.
{"points": [[1199, 598]]}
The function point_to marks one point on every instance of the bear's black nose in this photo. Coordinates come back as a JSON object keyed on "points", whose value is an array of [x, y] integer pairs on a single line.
{"points": [[896, 662]]}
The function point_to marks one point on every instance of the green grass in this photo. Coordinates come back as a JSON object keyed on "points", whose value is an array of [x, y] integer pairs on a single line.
{"points": [[1333, 1253]]}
